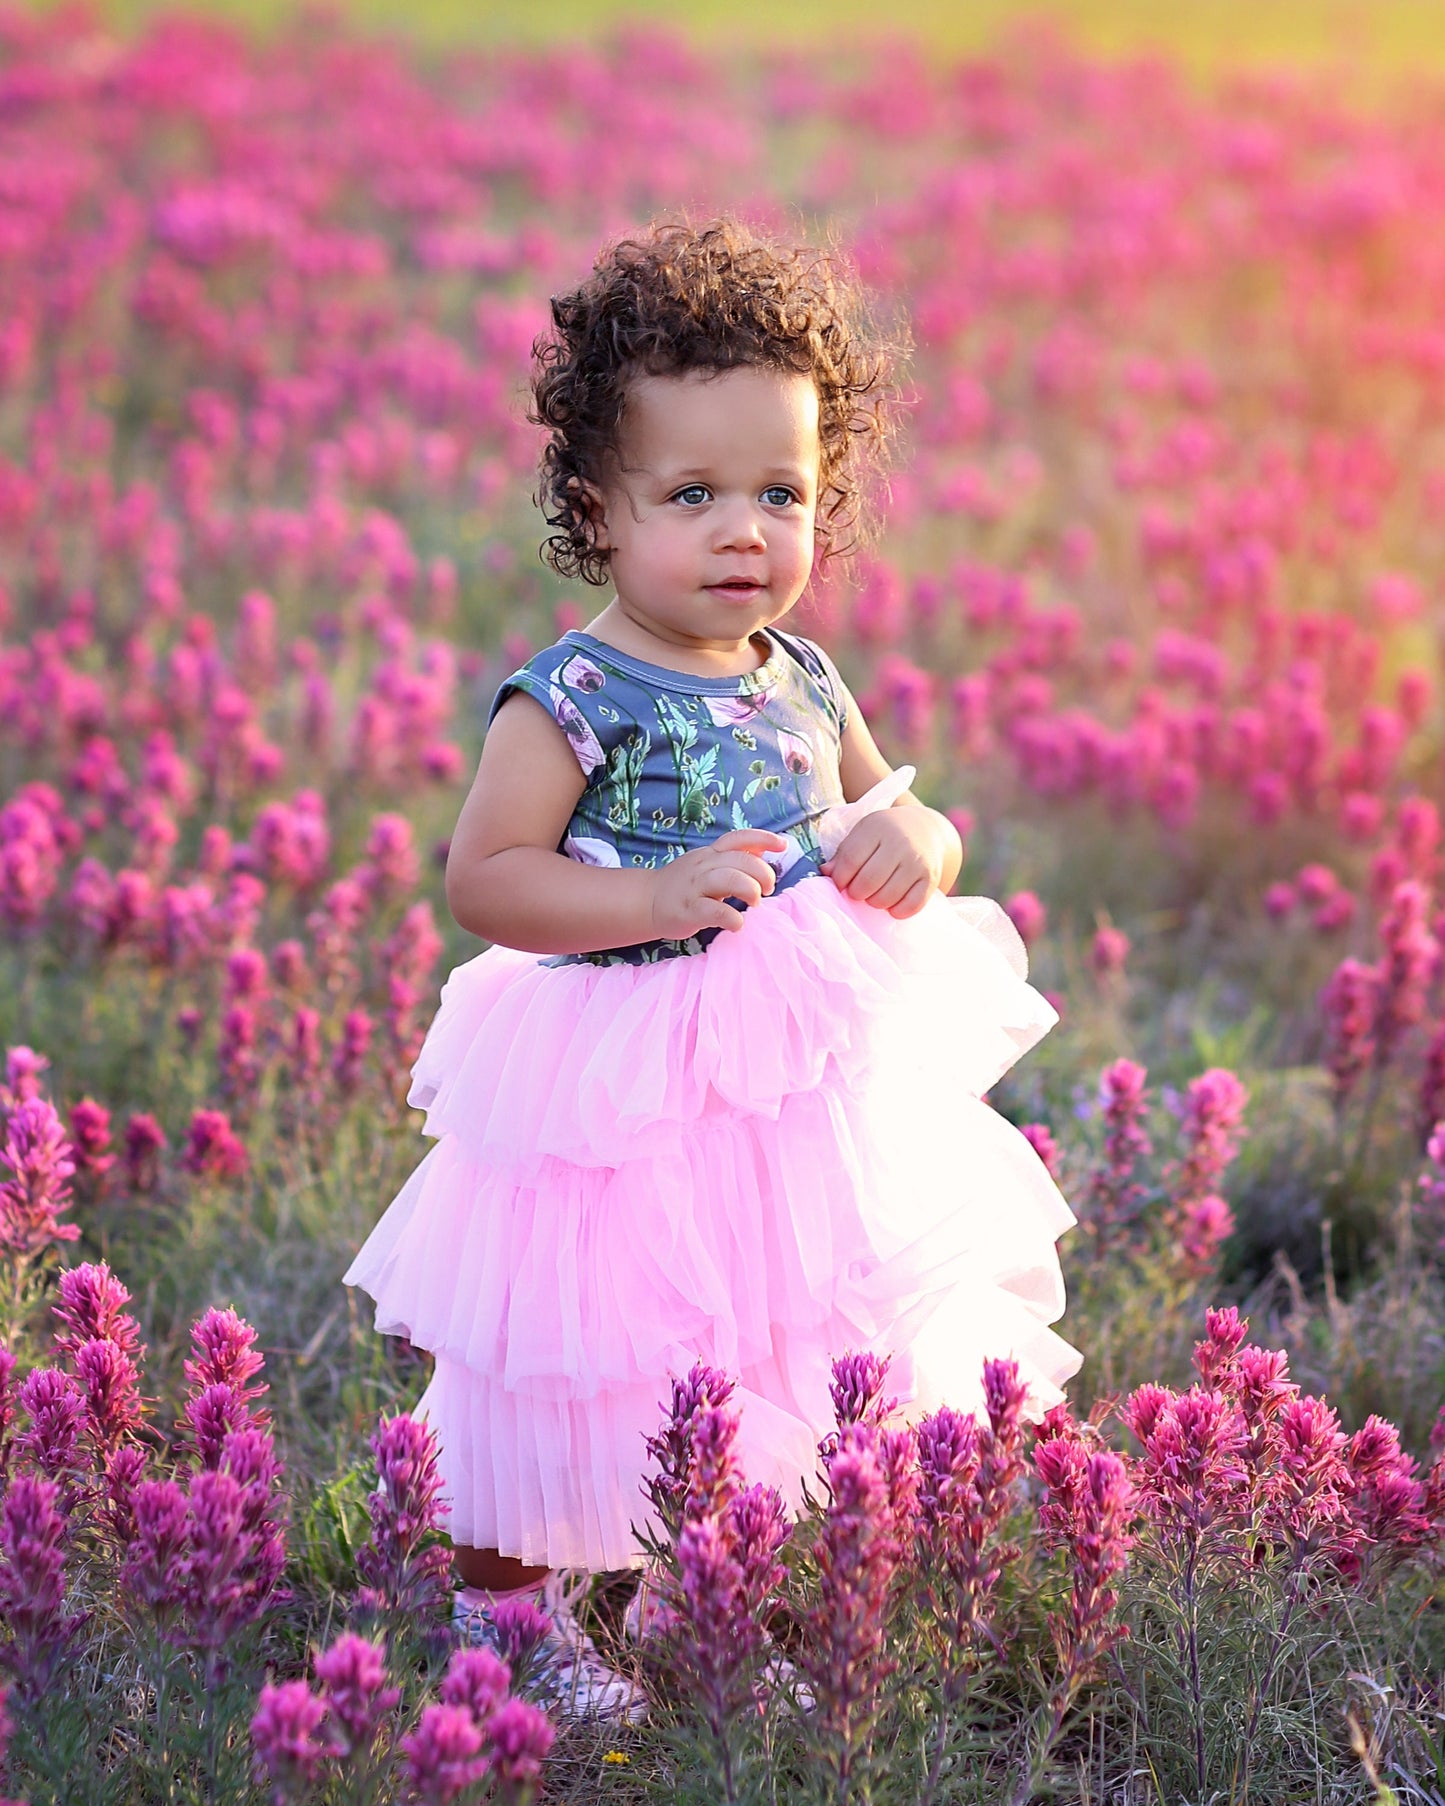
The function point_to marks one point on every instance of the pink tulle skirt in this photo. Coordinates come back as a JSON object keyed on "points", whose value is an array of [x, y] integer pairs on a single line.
{"points": [[761, 1156]]}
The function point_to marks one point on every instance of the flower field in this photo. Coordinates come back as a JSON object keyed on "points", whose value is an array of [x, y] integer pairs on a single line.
{"points": [[1158, 616]]}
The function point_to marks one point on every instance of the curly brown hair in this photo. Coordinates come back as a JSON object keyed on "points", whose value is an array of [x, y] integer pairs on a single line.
{"points": [[683, 297]]}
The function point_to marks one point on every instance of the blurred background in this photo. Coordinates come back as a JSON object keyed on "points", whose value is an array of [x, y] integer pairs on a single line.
{"points": [[1362, 40]]}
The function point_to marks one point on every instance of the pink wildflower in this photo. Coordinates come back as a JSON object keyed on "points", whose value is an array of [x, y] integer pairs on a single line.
{"points": [[444, 1755], [520, 1737], [352, 1676], [285, 1732], [90, 1139], [477, 1680], [1027, 914], [1108, 952], [404, 1566], [38, 1191], [32, 1583], [213, 1149], [1040, 1139], [145, 1141], [1113, 1194]]}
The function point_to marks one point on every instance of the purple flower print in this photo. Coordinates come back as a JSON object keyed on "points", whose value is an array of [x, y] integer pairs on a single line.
{"points": [[797, 753], [587, 850], [579, 673], [736, 711], [783, 862], [574, 725]]}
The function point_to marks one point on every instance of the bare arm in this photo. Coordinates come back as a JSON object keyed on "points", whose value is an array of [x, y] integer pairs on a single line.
{"points": [[861, 766], [508, 883]]}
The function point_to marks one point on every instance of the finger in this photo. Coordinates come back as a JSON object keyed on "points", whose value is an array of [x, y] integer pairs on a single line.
{"points": [[747, 837], [755, 868], [762, 871], [852, 855], [875, 872], [731, 919], [894, 889], [917, 896], [842, 868], [733, 881]]}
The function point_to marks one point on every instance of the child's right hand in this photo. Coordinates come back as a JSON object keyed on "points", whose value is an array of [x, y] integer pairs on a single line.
{"points": [[689, 891]]}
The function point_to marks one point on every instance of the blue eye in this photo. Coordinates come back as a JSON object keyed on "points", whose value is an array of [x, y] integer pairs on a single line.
{"points": [[693, 495], [776, 496]]}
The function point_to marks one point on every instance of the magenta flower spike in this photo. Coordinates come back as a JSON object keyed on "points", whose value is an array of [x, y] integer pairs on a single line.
{"points": [[1040, 1138], [55, 1405], [286, 1732], [1350, 1002], [153, 1572], [670, 1452], [477, 1680], [110, 1381], [37, 1193], [225, 1354], [1113, 1193], [407, 1573], [444, 1755], [90, 1140], [857, 1555], [520, 1736], [1211, 1128], [32, 1583], [856, 1389], [89, 1304], [522, 1628], [25, 1071], [145, 1142], [213, 1149], [351, 1675]]}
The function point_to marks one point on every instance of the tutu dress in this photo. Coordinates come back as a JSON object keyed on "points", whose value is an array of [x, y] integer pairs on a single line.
{"points": [[760, 1149]]}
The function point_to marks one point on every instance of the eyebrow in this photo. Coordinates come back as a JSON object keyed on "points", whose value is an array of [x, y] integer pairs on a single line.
{"points": [[696, 472]]}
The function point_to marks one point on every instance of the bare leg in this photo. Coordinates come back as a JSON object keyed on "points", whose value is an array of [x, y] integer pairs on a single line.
{"points": [[492, 1572]]}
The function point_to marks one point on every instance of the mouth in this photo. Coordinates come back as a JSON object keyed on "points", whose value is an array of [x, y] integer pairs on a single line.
{"points": [[741, 587]]}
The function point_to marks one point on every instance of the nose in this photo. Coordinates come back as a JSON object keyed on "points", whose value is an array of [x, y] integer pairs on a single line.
{"points": [[740, 527]]}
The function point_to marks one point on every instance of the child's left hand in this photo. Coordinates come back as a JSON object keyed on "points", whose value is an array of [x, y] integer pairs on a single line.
{"points": [[892, 859]]}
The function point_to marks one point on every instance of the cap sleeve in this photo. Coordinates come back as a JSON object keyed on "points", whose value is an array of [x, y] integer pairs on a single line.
{"points": [[824, 670], [564, 711]]}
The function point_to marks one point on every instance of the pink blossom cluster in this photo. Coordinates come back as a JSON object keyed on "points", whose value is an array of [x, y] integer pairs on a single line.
{"points": [[405, 1567], [718, 1586], [199, 1548], [1246, 1456], [1127, 1211], [474, 1732]]}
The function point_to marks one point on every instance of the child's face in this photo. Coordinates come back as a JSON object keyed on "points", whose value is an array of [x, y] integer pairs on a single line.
{"points": [[708, 511]]}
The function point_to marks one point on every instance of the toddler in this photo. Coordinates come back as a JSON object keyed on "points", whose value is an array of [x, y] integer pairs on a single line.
{"points": [[714, 1089]]}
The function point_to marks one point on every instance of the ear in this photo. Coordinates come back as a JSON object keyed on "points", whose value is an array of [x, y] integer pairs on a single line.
{"points": [[593, 510]]}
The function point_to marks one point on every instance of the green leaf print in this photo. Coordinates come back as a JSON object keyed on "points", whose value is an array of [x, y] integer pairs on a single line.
{"points": [[695, 779], [624, 775], [677, 727]]}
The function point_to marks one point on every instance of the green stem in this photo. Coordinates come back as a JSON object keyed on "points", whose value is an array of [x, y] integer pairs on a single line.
{"points": [[1196, 1694]]}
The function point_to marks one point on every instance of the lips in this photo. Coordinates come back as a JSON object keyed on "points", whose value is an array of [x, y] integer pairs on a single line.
{"points": [[737, 586]]}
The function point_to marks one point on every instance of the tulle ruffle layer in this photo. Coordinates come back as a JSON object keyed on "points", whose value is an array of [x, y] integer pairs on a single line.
{"points": [[760, 1156]]}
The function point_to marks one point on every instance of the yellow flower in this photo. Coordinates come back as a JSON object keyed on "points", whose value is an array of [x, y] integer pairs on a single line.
{"points": [[619, 1758]]}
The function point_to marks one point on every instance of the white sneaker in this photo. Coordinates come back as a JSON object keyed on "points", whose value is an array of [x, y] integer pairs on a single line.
{"points": [[567, 1676], [572, 1678]]}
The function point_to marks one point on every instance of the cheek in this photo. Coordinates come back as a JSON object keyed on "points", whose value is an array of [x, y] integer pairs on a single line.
{"points": [[800, 549]]}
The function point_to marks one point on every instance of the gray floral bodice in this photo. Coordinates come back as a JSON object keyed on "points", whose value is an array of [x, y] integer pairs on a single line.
{"points": [[673, 760]]}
